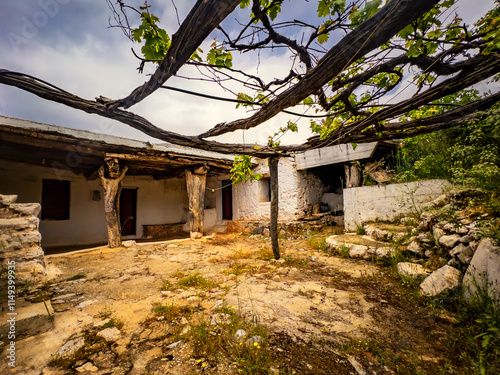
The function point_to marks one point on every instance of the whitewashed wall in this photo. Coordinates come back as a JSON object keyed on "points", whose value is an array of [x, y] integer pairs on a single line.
{"points": [[385, 202], [158, 202], [296, 191]]}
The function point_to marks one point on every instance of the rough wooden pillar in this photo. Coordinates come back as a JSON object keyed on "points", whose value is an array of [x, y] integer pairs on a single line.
{"points": [[353, 175], [273, 171], [196, 181], [112, 189]]}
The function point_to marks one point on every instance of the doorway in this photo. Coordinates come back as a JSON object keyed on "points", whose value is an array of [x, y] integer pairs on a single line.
{"points": [[227, 200], [128, 211]]}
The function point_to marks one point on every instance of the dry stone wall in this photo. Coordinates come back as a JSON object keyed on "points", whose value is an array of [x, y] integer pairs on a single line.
{"points": [[20, 238]]}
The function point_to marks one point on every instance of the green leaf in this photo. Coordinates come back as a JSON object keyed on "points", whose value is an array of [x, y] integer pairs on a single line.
{"points": [[323, 38]]}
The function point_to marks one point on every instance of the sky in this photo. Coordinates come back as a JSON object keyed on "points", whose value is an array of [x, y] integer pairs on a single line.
{"points": [[69, 43]]}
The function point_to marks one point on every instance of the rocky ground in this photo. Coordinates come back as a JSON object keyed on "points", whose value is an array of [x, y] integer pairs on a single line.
{"points": [[222, 305]]}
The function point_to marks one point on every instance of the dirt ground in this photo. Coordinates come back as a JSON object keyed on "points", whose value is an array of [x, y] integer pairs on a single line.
{"points": [[323, 314]]}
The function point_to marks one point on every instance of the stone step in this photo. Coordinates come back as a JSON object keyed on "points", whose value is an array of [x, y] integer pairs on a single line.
{"points": [[359, 246], [386, 231]]}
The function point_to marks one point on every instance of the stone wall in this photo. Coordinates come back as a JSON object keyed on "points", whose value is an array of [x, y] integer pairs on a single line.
{"points": [[297, 190], [385, 202], [20, 238]]}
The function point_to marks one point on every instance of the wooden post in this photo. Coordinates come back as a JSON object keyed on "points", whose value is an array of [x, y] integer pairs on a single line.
{"points": [[273, 171], [196, 181], [112, 189], [353, 175]]}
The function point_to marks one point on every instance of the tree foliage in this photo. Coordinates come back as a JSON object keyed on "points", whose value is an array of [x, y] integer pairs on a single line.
{"points": [[362, 70]]}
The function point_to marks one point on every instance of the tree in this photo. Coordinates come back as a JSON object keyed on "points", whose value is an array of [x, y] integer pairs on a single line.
{"points": [[346, 61]]}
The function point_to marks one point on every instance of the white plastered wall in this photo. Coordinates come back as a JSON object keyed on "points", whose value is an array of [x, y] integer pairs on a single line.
{"points": [[385, 202], [296, 191], [158, 202]]}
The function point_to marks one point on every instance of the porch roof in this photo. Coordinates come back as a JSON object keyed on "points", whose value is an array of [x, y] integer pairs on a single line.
{"points": [[83, 151]]}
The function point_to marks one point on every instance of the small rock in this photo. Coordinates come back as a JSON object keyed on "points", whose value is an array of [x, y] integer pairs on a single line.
{"points": [[101, 323], [424, 238], [384, 252], [220, 318], [174, 344], [219, 303], [240, 334], [411, 270], [357, 366], [414, 247], [437, 233], [358, 251], [129, 243], [86, 303], [88, 366], [110, 334], [254, 339], [441, 280], [449, 241], [457, 249], [71, 346]]}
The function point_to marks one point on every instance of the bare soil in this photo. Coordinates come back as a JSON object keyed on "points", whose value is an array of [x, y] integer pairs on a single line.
{"points": [[324, 314]]}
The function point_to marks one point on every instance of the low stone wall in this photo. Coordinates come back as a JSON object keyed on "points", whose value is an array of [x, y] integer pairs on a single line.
{"points": [[20, 238], [385, 202]]}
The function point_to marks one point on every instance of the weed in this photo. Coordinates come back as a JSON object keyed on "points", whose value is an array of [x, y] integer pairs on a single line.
{"points": [[265, 253], [93, 344], [295, 262], [213, 343], [172, 311], [113, 322], [344, 251], [77, 277], [318, 243], [195, 280], [167, 285], [360, 229]]}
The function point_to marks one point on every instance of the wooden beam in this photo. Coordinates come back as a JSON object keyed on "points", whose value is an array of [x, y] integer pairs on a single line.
{"points": [[196, 182], [273, 171], [333, 155]]}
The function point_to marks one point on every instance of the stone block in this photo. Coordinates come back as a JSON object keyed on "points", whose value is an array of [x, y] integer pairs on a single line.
{"points": [[412, 270], [26, 209], [484, 271], [7, 199], [441, 280], [19, 223], [449, 241]]}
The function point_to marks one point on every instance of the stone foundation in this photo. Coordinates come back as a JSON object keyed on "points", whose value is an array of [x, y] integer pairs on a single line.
{"points": [[289, 229], [20, 238]]}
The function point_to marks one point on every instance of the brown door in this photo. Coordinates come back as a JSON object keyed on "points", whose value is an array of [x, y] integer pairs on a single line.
{"points": [[128, 211], [227, 200]]}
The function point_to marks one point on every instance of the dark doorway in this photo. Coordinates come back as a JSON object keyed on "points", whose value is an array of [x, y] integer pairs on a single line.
{"points": [[227, 200], [128, 211]]}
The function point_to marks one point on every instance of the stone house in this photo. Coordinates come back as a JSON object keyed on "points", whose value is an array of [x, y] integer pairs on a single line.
{"points": [[58, 167]]}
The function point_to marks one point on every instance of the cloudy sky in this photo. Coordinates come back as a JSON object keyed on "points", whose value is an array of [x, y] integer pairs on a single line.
{"points": [[69, 43]]}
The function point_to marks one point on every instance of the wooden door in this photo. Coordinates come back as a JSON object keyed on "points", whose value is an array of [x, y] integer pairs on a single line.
{"points": [[227, 200], [128, 211]]}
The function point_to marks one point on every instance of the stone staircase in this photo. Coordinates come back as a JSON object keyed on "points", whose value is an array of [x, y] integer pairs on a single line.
{"points": [[379, 240]]}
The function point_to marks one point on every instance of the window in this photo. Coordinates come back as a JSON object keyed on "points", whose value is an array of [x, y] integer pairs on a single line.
{"points": [[264, 190], [55, 200]]}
